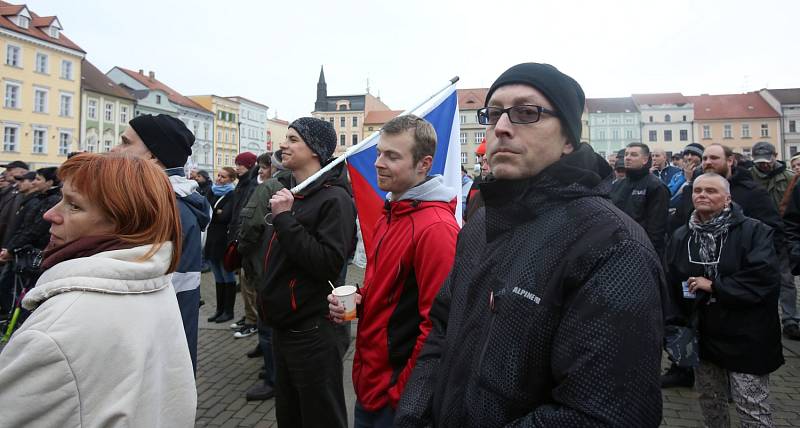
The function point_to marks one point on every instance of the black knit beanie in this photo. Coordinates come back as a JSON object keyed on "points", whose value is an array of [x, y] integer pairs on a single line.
{"points": [[166, 137], [563, 92], [318, 135]]}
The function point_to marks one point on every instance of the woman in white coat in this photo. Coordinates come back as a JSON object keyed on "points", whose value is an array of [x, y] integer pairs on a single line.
{"points": [[104, 345]]}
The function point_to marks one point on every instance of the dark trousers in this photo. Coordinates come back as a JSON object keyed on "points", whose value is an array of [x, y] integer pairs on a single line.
{"points": [[265, 343], [309, 389], [189, 304], [6, 288], [383, 418]]}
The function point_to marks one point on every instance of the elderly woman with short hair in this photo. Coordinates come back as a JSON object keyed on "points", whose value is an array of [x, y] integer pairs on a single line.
{"points": [[726, 265]]}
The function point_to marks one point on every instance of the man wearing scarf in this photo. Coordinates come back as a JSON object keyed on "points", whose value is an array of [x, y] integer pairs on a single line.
{"points": [[643, 196]]}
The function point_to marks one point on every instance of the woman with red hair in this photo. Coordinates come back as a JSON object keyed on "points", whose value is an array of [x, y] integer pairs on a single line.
{"points": [[105, 344]]}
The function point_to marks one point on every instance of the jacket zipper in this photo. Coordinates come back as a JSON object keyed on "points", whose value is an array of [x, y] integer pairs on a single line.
{"points": [[269, 250]]}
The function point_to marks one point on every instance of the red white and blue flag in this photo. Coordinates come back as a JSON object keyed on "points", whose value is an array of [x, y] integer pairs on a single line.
{"points": [[442, 112]]}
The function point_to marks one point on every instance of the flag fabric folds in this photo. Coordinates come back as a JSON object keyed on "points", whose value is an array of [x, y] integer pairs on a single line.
{"points": [[442, 113]]}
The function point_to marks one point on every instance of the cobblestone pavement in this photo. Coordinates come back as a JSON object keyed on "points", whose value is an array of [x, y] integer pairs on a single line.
{"points": [[225, 374]]}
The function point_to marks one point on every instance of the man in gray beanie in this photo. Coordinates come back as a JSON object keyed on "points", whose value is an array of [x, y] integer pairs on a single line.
{"points": [[311, 235], [551, 314], [167, 142]]}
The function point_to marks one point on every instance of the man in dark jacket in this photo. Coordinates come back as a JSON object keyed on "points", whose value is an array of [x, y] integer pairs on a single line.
{"points": [[10, 194], [312, 235], [167, 142], [551, 315], [773, 175], [25, 200], [643, 196], [661, 167], [415, 245]]}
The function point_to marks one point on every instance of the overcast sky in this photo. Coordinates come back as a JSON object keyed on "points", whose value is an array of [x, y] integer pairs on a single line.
{"points": [[271, 51]]}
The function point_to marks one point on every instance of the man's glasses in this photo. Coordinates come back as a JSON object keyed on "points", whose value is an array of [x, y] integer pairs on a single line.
{"points": [[527, 113]]}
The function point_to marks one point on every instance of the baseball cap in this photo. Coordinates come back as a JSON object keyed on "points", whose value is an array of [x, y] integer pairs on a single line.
{"points": [[763, 152], [16, 164]]}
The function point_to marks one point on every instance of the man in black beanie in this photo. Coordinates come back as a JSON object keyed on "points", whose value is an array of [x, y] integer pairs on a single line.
{"points": [[311, 237], [167, 142], [551, 315]]}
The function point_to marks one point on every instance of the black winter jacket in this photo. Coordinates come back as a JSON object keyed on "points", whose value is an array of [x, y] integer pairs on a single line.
{"points": [[739, 329], [33, 229], [22, 203], [551, 315], [749, 195], [308, 247], [791, 219], [645, 199], [241, 194], [217, 232]]}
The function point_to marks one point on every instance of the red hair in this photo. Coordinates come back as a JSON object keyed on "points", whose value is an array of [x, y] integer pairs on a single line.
{"points": [[133, 193]]}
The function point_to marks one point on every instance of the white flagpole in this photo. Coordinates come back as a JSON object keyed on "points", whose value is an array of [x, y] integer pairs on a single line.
{"points": [[368, 140]]}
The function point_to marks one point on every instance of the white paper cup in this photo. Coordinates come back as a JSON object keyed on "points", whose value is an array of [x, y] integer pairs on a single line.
{"points": [[346, 295]]}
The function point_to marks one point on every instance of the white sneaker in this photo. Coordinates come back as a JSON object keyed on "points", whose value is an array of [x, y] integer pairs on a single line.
{"points": [[247, 330]]}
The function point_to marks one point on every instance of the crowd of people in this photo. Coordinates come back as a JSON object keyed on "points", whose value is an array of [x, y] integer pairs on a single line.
{"points": [[551, 306]]}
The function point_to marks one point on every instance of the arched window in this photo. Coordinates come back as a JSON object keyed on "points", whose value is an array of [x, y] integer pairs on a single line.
{"points": [[667, 118]]}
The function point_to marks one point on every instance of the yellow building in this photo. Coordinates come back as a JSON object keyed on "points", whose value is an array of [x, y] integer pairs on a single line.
{"points": [[41, 85], [276, 133], [738, 121], [376, 119], [226, 127]]}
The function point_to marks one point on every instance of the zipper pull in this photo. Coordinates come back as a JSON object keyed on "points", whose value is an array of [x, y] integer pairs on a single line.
{"points": [[491, 300]]}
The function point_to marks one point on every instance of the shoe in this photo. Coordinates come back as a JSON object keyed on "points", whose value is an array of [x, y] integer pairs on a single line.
{"points": [[237, 325], [255, 353], [246, 330], [792, 331], [260, 392], [677, 376], [229, 298]]}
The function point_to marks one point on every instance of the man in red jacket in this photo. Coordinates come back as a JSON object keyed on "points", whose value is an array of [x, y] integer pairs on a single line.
{"points": [[415, 246]]}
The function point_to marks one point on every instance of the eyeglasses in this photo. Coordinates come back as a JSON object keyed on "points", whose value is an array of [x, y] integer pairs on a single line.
{"points": [[527, 113]]}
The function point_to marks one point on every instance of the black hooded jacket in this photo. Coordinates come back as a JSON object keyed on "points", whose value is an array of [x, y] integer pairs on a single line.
{"points": [[751, 197], [551, 315], [738, 323], [33, 229], [644, 197], [241, 194], [308, 247]]}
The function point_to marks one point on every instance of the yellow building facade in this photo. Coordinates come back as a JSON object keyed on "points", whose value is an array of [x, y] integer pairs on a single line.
{"points": [[226, 127], [40, 80]]}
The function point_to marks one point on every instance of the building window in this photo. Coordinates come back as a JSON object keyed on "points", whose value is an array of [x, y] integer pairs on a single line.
{"points": [[479, 136], [219, 159], [63, 143], [23, 21], [615, 134], [66, 105], [765, 130], [342, 122], [463, 118], [40, 101], [206, 128], [706, 132], [651, 118], [667, 135], [13, 56], [41, 63], [601, 134], [653, 136], [123, 114], [10, 136], [330, 119], [355, 121], [227, 136], [792, 126], [684, 134], [629, 134], [109, 113], [107, 143], [66, 69], [355, 139], [91, 109], [196, 126], [667, 118], [463, 157], [39, 140], [745, 130], [219, 136], [158, 99], [463, 138], [342, 139], [727, 131], [233, 136], [53, 31], [12, 95]]}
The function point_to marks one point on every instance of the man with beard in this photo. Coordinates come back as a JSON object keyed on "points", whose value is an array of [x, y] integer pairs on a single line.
{"points": [[551, 314], [643, 196], [775, 177], [755, 203]]}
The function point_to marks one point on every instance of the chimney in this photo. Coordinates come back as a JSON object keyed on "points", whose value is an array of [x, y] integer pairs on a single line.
{"points": [[152, 75], [141, 72]]}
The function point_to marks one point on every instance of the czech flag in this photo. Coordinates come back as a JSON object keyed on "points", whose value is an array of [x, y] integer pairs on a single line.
{"points": [[442, 112]]}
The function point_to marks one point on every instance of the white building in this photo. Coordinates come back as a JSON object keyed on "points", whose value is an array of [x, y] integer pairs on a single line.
{"points": [[667, 120], [613, 124], [787, 103], [252, 125]]}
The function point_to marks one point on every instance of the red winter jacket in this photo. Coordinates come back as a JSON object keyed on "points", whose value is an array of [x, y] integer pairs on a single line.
{"points": [[415, 243]]}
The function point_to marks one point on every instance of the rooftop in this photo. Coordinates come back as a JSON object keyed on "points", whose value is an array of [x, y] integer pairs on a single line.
{"points": [[732, 106], [35, 28], [151, 82]]}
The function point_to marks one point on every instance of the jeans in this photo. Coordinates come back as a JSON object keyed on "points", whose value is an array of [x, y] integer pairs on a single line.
{"points": [[309, 389], [265, 343], [220, 274], [383, 418], [788, 299]]}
